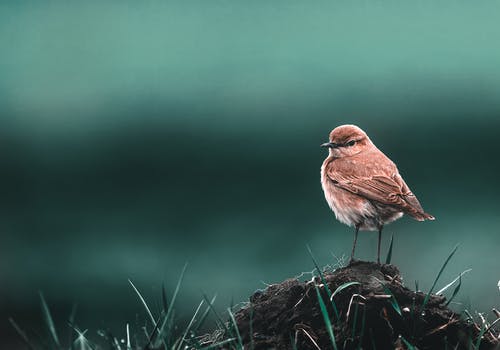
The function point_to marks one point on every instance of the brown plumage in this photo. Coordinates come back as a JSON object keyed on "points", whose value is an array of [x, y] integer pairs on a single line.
{"points": [[362, 186]]}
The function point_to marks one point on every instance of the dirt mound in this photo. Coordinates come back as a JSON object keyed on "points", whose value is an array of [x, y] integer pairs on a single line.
{"points": [[377, 312]]}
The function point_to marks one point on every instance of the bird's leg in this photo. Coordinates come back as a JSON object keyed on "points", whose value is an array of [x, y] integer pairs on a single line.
{"points": [[354, 243], [379, 240]]}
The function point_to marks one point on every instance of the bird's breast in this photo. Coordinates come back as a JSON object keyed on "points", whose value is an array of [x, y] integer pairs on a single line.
{"points": [[349, 208]]}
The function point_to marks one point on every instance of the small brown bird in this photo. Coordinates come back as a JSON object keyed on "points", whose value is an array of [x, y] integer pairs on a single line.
{"points": [[362, 186]]}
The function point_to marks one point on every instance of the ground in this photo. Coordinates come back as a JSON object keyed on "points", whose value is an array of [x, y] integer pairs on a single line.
{"points": [[375, 312]]}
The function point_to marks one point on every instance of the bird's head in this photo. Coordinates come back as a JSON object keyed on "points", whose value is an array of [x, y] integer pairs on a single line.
{"points": [[347, 140]]}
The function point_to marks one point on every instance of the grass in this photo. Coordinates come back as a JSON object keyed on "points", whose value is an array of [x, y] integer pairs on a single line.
{"points": [[392, 300], [426, 300], [162, 330], [407, 343], [326, 318], [328, 292], [344, 286], [22, 334], [49, 322], [235, 327]]}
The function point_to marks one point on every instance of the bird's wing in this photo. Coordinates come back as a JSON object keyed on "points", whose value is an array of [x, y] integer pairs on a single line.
{"points": [[386, 187]]}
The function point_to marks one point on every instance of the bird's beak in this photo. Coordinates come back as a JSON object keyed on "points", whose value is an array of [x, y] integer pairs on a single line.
{"points": [[327, 145]]}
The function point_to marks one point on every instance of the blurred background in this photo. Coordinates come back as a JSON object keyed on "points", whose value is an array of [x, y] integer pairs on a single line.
{"points": [[137, 136]]}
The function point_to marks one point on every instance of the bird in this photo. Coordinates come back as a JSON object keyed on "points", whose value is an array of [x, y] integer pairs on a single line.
{"points": [[363, 186]]}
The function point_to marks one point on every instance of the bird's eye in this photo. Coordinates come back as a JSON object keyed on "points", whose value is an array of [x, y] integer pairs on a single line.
{"points": [[350, 143]]}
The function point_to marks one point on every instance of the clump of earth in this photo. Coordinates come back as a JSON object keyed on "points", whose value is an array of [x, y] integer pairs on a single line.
{"points": [[376, 311]]}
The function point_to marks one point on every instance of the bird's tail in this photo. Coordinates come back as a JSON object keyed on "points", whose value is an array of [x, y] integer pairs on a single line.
{"points": [[423, 216]]}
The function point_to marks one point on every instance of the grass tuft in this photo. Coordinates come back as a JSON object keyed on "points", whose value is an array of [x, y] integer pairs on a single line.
{"points": [[220, 323], [484, 327], [205, 314], [189, 326], [456, 290], [326, 318], [426, 299], [442, 290], [323, 281], [143, 301], [22, 334], [165, 330], [235, 326], [168, 335], [49, 321], [392, 300]]}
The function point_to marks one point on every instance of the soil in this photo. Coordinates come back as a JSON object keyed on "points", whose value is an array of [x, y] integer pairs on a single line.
{"points": [[369, 316]]}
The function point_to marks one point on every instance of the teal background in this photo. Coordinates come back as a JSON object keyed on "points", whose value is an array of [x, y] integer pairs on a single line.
{"points": [[137, 136]]}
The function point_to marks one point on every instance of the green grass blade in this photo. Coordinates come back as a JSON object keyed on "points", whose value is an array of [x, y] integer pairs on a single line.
{"points": [[116, 344], [442, 290], [407, 343], [319, 271], [235, 326], [152, 336], [111, 340], [392, 300], [150, 314], [143, 301], [205, 314], [323, 281], [188, 328], [343, 286], [164, 297], [22, 334], [389, 254], [394, 303], [426, 300], [326, 318], [171, 306], [49, 321], [71, 321], [491, 327], [480, 335], [220, 323], [129, 347], [456, 290]]}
